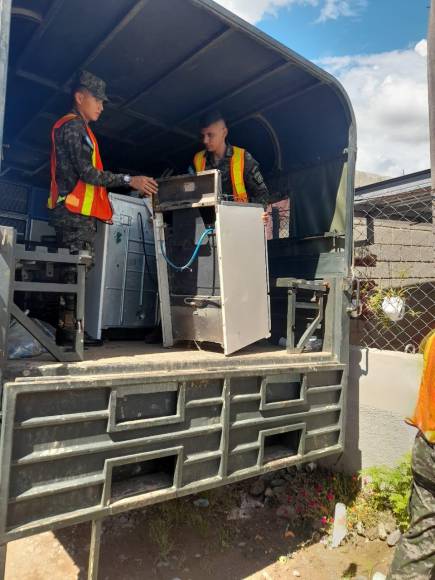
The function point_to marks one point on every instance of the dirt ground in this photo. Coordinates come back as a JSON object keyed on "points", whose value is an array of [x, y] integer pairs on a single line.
{"points": [[181, 541]]}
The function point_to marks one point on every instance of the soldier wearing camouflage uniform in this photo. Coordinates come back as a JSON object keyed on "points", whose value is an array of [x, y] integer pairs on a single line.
{"points": [[218, 155], [73, 149], [414, 558], [78, 193]]}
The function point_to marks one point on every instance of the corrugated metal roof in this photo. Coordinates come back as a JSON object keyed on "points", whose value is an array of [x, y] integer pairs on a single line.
{"points": [[407, 197], [409, 182]]}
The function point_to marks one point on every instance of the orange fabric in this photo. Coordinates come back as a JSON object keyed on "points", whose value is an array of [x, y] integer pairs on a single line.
{"points": [[237, 167], [86, 199], [424, 415]]}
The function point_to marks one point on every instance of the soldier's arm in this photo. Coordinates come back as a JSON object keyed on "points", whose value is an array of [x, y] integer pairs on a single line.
{"points": [[77, 143], [257, 189], [254, 181]]}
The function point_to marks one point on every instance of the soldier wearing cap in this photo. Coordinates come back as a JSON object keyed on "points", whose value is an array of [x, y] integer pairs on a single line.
{"points": [[242, 180], [78, 193]]}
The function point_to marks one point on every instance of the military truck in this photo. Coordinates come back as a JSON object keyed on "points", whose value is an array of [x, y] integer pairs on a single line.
{"points": [[135, 424]]}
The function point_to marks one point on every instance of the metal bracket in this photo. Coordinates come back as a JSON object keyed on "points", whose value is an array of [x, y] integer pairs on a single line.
{"points": [[58, 353], [356, 307], [7, 272], [320, 290], [94, 549], [13, 259]]}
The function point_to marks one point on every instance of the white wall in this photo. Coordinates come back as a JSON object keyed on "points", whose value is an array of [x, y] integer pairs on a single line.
{"points": [[383, 388]]}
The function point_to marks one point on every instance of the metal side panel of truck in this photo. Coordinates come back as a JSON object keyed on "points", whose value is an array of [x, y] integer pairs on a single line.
{"points": [[82, 441]]}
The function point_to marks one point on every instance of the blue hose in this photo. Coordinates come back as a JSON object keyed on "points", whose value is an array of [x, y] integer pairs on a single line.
{"points": [[206, 232]]}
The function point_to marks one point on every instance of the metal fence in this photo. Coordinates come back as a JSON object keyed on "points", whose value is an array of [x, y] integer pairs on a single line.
{"points": [[278, 225], [394, 264]]}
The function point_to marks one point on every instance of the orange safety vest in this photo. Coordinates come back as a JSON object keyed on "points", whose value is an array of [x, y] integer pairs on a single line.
{"points": [[86, 199], [237, 166], [424, 415]]}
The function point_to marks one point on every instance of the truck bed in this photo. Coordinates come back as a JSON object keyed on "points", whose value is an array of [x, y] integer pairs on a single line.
{"points": [[135, 356]]}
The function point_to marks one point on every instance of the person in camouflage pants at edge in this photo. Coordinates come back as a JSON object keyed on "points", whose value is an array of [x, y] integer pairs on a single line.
{"points": [[414, 558]]}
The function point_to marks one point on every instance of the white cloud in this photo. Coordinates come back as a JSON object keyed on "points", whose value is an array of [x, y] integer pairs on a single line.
{"points": [[421, 47], [389, 95], [333, 9], [254, 10]]}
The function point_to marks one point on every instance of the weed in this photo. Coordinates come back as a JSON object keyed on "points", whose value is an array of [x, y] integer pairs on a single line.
{"points": [[198, 522], [160, 533], [175, 511], [315, 494], [390, 488], [225, 535], [363, 510], [386, 490], [373, 297], [223, 499]]}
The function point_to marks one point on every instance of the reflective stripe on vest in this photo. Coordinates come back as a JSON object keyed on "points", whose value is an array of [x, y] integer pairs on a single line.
{"points": [[85, 199], [237, 167], [199, 161], [424, 415]]}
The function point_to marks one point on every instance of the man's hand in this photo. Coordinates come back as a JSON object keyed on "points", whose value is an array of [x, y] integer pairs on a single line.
{"points": [[146, 185], [265, 217]]}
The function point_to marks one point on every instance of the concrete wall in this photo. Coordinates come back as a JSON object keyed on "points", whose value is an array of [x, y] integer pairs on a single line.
{"points": [[383, 388]]}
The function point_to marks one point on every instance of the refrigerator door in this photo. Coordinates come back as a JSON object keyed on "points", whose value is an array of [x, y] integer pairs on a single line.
{"points": [[243, 272]]}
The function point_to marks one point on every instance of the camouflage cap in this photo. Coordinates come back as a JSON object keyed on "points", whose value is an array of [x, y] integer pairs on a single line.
{"points": [[92, 83]]}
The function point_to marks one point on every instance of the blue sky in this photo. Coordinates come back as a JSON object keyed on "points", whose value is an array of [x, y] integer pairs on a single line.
{"points": [[378, 50], [380, 26]]}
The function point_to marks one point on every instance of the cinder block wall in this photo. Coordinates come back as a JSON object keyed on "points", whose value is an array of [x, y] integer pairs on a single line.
{"points": [[402, 251]]}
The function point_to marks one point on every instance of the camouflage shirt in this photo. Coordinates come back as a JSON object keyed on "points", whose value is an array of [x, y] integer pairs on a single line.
{"points": [[254, 182], [74, 159]]}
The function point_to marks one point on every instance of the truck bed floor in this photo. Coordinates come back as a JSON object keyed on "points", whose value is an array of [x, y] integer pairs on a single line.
{"points": [[136, 356]]}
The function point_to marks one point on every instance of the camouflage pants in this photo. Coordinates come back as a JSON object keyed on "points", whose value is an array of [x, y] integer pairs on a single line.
{"points": [[76, 232], [414, 558], [73, 230]]}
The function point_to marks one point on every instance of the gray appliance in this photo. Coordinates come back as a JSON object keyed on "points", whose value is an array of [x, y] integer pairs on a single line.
{"points": [[121, 288], [223, 294]]}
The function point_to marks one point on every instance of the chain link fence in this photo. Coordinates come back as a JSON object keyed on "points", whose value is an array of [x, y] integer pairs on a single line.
{"points": [[394, 264], [278, 225]]}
